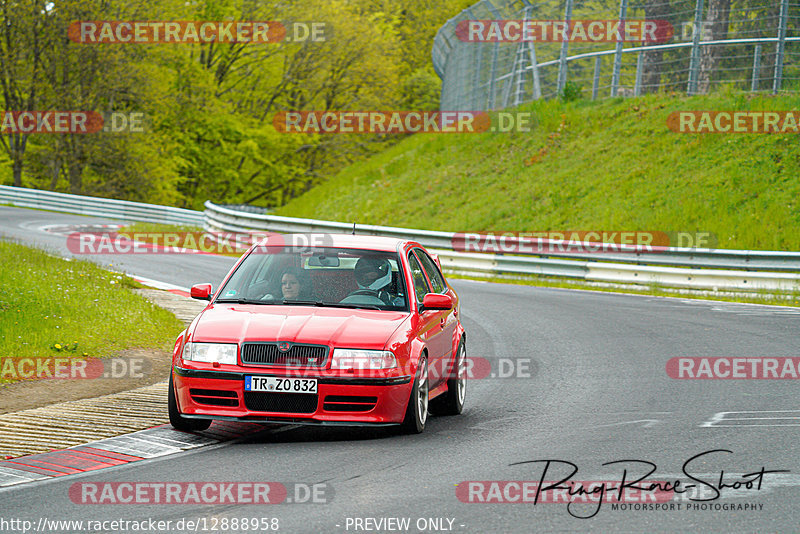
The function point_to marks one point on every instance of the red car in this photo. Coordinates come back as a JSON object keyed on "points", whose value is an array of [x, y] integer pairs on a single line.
{"points": [[325, 329]]}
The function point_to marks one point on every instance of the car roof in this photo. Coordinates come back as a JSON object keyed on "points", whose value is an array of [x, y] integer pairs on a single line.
{"points": [[368, 242]]}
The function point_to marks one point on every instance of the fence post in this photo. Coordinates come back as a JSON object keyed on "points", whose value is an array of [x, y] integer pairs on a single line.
{"points": [[475, 63], [562, 67], [596, 83], [637, 88], [490, 101], [476, 75], [778, 79], [492, 76], [694, 64], [623, 14], [537, 86], [756, 68], [519, 77]]}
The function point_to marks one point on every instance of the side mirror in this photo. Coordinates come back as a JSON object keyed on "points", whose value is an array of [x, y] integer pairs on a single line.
{"points": [[201, 291], [435, 301]]}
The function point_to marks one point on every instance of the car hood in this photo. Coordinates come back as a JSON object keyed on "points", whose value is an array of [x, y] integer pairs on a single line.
{"points": [[337, 327]]}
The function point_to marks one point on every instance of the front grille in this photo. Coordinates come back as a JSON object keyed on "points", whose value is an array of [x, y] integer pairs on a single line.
{"points": [[349, 403], [297, 356], [214, 397], [258, 401]]}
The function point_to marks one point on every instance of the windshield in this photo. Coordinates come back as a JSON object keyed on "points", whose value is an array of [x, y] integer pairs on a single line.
{"points": [[336, 277]]}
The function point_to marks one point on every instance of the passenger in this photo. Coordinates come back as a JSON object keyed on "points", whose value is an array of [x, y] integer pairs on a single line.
{"points": [[295, 285]]}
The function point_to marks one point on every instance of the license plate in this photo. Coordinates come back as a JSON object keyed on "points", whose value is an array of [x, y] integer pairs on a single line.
{"points": [[280, 385]]}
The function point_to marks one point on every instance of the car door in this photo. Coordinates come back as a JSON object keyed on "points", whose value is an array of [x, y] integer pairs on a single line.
{"points": [[448, 319], [431, 323]]}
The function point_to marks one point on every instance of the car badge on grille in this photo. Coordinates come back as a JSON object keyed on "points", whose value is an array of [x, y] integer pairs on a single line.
{"points": [[284, 347]]}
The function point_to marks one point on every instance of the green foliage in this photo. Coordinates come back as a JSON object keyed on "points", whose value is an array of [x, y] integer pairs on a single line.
{"points": [[572, 91], [421, 90], [209, 107]]}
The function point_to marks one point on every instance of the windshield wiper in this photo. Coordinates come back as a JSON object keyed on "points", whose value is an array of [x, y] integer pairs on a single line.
{"points": [[357, 306], [247, 301], [331, 304], [303, 302]]}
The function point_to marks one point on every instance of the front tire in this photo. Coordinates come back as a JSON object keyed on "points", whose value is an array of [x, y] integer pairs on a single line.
{"points": [[417, 410], [452, 401], [179, 422]]}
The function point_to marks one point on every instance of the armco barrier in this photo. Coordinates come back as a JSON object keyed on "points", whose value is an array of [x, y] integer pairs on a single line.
{"points": [[99, 207], [677, 267]]}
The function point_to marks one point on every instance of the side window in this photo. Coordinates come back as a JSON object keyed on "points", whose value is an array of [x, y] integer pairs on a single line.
{"points": [[420, 284], [437, 281]]}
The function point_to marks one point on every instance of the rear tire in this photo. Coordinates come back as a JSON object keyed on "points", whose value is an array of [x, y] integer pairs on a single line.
{"points": [[179, 422], [452, 401], [417, 410]]}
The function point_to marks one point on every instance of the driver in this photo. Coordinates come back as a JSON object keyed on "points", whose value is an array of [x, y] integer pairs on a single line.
{"points": [[374, 274]]}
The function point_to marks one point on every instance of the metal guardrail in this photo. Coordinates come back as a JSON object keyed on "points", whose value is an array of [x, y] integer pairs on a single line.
{"points": [[99, 207], [714, 269]]}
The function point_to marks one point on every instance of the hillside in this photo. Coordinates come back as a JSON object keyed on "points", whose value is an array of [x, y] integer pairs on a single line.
{"points": [[612, 165]]}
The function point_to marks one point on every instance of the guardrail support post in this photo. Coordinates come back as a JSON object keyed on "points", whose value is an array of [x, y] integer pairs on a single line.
{"points": [[756, 69], [781, 46], [562, 64], [623, 15], [596, 83], [694, 64]]}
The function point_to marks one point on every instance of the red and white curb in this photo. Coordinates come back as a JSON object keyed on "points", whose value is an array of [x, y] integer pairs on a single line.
{"points": [[156, 284], [151, 443]]}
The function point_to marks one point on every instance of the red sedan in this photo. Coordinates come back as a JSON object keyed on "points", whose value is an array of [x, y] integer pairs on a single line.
{"points": [[333, 329]]}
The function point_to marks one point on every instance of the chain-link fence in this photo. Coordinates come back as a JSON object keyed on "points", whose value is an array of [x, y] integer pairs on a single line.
{"points": [[752, 45]]}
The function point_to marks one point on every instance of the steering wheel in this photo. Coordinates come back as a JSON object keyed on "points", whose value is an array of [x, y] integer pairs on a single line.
{"points": [[366, 293]]}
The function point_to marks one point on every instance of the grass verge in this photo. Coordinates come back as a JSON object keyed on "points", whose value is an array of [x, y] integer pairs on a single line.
{"points": [[611, 165], [51, 306]]}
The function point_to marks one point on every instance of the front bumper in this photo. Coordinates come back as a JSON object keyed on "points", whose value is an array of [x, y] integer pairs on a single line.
{"points": [[212, 394]]}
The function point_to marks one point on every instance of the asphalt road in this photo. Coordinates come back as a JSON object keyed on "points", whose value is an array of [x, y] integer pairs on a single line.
{"points": [[591, 388]]}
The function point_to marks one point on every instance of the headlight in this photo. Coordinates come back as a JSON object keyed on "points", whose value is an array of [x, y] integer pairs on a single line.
{"points": [[210, 352], [362, 359]]}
